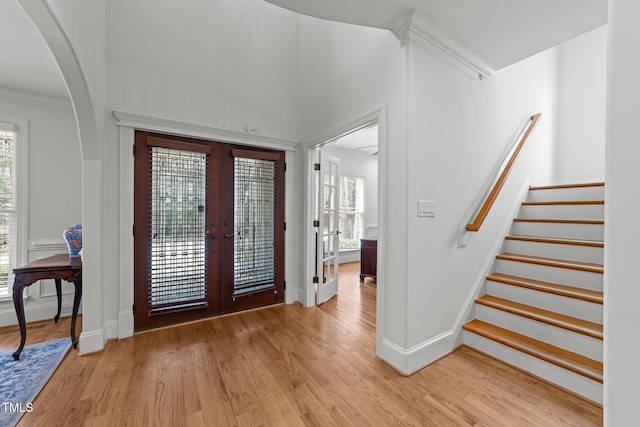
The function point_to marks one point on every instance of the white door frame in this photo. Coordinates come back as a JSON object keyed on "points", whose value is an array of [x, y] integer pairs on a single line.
{"points": [[378, 116]]}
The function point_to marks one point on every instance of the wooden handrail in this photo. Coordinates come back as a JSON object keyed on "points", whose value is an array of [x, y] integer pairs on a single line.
{"points": [[491, 198]]}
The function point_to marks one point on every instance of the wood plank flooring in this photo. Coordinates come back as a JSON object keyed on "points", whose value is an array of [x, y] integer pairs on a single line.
{"points": [[289, 366]]}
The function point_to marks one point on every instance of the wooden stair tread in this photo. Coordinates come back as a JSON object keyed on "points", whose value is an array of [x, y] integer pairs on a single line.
{"points": [[562, 221], [565, 359], [580, 326], [563, 202], [559, 186], [591, 243], [553, 262], [553, 288]]}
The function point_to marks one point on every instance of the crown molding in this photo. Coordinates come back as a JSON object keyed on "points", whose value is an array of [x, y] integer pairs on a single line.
{"points": [[32, 98], [173, 127], [413, 28]]}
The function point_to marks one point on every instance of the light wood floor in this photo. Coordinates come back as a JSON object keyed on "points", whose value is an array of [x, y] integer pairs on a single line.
{"points": [[288, 365]]}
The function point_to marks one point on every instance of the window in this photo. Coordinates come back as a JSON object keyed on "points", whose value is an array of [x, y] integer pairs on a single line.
{"points": [[8, 220], [13, 198], [351, 211]]}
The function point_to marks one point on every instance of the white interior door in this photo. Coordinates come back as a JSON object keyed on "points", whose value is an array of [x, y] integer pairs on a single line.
{"points": [[326, 226]]}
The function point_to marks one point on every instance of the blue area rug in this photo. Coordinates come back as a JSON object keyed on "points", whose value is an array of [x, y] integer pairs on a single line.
{"points": [[22, 380]]}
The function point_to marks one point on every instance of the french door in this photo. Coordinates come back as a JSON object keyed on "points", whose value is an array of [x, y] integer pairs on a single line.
{"points": [[209, 229], [327, 233]]}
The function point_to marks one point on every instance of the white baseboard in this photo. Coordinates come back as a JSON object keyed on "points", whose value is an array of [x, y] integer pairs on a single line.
{"points": [[125, 324], [408, 361], [349, 256], [111, 329], [92, 341], [35, 313]]}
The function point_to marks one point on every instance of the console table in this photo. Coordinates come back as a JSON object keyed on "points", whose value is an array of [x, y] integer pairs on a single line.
{"points": [[58, 267], [368, 257]]}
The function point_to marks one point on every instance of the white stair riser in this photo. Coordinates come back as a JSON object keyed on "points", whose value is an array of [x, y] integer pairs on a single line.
{"points": [[571, 381], [555, 250], [564, 276], [562, 211], [593, 232], [573, 307], [555, 194], [572, 341]]}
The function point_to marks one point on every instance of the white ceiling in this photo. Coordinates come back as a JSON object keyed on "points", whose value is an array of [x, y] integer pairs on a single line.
{"points": [[363, 141], [27, 65], [501, 32]]}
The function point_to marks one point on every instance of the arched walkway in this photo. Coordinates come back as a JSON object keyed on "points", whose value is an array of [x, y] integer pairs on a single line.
{"points": [[47, 23]]}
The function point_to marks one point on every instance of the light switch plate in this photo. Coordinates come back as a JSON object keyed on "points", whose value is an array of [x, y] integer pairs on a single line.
{"points": [[426, 208]]}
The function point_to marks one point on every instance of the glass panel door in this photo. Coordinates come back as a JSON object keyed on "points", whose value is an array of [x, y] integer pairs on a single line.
{"points": [[178, 218], [328, 214], [176, 251], [255, 246]]}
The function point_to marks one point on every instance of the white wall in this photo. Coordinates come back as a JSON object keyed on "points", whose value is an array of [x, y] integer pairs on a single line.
{"points": [[346, 72], [622, 229], [54, 164], [457, 133], [582, 73], [218, 63]]}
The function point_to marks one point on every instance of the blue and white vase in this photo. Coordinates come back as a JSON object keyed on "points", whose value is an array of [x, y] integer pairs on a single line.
{"points": [[73, 237]]}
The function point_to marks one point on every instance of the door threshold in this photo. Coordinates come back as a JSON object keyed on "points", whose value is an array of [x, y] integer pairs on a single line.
{"points": [[218, 316]]}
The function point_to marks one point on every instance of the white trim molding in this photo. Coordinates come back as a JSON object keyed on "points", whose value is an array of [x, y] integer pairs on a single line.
{"points": [[413, 28], [48, 245], [411, 360], [172, 127], [39, 100]]}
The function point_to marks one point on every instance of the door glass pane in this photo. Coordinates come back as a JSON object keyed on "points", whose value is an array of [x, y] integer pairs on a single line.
{"points": [[254, 225], [177, 234]]}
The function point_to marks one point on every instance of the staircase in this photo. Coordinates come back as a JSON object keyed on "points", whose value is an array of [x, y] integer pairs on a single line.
{"points": [[542, 311]]}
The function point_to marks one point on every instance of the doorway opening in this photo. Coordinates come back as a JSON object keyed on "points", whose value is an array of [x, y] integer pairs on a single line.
{"points": [[345, 206], [209, 228]]}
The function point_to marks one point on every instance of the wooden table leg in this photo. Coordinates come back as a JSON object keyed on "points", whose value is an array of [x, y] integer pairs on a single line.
{"points": [[59, 295], [18, 303], [77, 281]]}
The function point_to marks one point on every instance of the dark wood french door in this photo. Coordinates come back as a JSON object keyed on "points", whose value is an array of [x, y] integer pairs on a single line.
{"points": [[209, 228]]}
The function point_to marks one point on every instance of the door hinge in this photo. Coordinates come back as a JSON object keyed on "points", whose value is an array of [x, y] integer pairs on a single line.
{"points": [[133, 308], [316, 279], [285, 226], [316, 223], [285, 166], [134, 151], [316, 166], [133, 230], [285, 285]]}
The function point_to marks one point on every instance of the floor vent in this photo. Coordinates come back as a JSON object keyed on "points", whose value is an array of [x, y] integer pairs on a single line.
{"points": [[17, 329]]}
